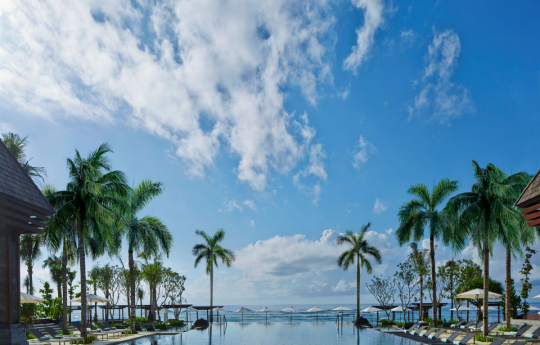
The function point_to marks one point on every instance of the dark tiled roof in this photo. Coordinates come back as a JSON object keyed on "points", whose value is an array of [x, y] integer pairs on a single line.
{"points": [[15, 182], [531, 193]]}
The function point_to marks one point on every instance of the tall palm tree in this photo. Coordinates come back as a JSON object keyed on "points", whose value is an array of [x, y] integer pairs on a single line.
{"points": [[422, 214], [30, 251], [211, 251], [418, 258], [54, 264], [144, 235], [358, 253], [485, 214], [17, 146], [140, 296], [93, 201]]}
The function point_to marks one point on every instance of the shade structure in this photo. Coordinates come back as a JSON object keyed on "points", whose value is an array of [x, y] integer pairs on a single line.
{"points": [[477, 294], [531, 308], [463, 308], [243, 310], [265, 310], [370, 310], [92, 299], [399, 309], [316, 310], [537, 296], [290, 310], [27, 298], [342, 309]]}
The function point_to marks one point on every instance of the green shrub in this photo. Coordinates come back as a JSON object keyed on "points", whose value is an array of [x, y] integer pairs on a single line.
{"points": [[138, 320], [117, 324], [160, 325], [453, 322], [30, 336], [66, 333], [174, 322], [507, 329], [399, 324], [480, 337], [89, 340], [386, 322]]}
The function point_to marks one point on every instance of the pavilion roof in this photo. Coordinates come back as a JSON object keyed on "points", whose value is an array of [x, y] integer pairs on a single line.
{"points": [[531, 193], [21, 202]]}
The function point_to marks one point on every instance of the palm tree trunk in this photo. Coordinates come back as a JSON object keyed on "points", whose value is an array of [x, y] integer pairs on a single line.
{"points": [[132, 290], [451, 294], [508, 297], [357, 288], [433, 278], [64, 290], [421, 316], [211, 291], [30, 272], [486, 284], [83, 284]]}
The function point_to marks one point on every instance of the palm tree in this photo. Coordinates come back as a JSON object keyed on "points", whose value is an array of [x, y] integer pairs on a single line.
{"points": [[418, 258], [17, 146], [140, 296], [485, 215], [422, 214], [30, 251], [145, 235], [54, 264], [94, 199], [211, 251], [358, 253]]}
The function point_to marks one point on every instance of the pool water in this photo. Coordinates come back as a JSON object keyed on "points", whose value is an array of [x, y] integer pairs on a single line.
{"points": [[279, 333]]}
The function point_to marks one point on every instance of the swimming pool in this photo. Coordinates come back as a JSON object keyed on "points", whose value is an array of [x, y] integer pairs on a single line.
{"points": [[279, 333]]}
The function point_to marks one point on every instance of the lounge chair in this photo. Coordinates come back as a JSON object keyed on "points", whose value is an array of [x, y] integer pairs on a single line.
{"points": [[428, 332], [94, 332], [53, 332], [465, 339], [467, 325], [110, 330], [417, 331], [517, 342], [436, 335], [520, 331], [415, 325], [43, 337], [478, 326], [533, 335], [498, 341], [456, 325], [451, 337]]}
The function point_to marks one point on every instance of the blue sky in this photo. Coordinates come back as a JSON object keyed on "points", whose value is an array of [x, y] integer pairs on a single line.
{"points": [[282, 123]]}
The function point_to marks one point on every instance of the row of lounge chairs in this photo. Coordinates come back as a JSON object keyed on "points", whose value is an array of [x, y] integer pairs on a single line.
{"points": [[464, 337]]}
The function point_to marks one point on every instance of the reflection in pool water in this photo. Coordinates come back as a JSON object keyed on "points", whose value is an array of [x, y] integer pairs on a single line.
{"points": [[261, 333]]}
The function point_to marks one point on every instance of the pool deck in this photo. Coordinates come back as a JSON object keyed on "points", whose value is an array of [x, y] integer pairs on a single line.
{"points": [[134, 337], [439, 342]]}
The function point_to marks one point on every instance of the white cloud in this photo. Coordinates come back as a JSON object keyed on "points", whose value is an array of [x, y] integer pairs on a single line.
{"points": [[373, 18], [204, 75], [343, 286], [443, 99], [6, 127], [252, 223], [389, 231], [379, 206], [407, 38], [231, 205], [251, 204], [363, 151]]}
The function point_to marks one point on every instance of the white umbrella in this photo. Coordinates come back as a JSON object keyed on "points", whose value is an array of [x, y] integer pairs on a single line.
{"points": [[458, 309], [531, 308], [370, 310], [316, 310], [243, 310], [537, 296], [27, 298], [489, 308], [92, 299], [290, 310], [341, 309], [399, 310], [265, 310], [477, 294]]}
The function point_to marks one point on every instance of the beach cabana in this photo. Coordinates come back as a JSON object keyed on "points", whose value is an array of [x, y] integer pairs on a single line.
{"points": [[23, 210], [316, 310], [290, 310], [243, 310], [265, 310]]}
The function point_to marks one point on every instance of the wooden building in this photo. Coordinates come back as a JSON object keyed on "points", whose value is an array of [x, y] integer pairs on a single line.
{"points": [[529, 201], [23, 210]]}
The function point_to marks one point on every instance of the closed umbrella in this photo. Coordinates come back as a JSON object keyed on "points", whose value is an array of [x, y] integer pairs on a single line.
{"points": [[27, 298], [265, 310], [371, 310], [243, 310], [290, 310], [316, 310]]}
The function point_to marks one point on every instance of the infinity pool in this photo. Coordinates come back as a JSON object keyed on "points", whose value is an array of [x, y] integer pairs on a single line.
{"points": [[255, 333]]}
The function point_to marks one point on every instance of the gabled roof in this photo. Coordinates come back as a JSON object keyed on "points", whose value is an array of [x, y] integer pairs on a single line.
{"points": [[21, 202], [531, 193]]}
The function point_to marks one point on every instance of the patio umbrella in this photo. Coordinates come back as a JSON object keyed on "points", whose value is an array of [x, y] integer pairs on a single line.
{"points": [[190, 310], [243, 310], [537, 296], [400, 310], [341, 309], [316, 310], [265, 310], [370, 310], [92, 299], [477, 294], [27, 298], [290, 310], [458, 309]]}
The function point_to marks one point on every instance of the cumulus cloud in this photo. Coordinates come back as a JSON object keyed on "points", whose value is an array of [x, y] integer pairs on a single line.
{"points": [[379, 206], [373, 19], [230, 205], [407, 38], [252, 223], [251, 204], [362, 153], [205, 75], [441, 98], [343, 286]]}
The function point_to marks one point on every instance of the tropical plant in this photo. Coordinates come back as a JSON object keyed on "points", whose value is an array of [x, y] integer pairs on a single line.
{"points": [[211, 251], [144, 235], [422, 214], [485, 214], [383, 290], [514, 298], [93, 201], [54, 264], [152, 273], [526, 285], [140, 296], [359, 253], [449, 272], [17, 146], [420, 260], [406, 282], [30, 251]]}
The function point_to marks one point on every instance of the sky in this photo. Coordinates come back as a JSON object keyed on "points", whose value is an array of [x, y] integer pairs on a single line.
{"points": [[283, 122]]}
